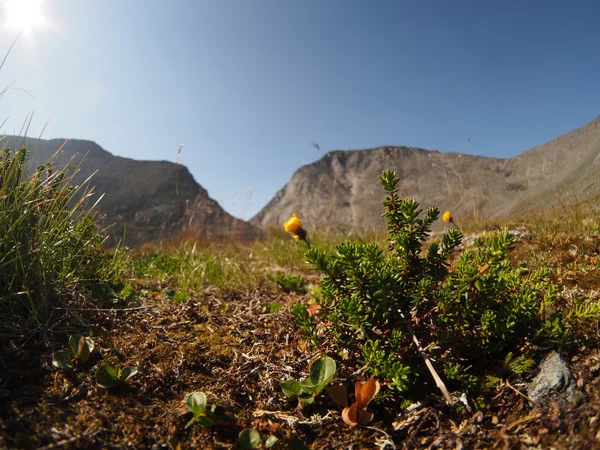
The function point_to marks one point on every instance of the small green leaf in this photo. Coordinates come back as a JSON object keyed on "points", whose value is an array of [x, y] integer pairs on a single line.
{"points": [[80, 347], [306, 399], [191, 422], [205, 420], [127, 292], [309, 388], [322, 371], [291, 387], [196, 403], [271, 441], [180, 297], [62, 360], [74, 344], [105, 292], [274, 307], [107, 376], [249, 439], [126, 373]]}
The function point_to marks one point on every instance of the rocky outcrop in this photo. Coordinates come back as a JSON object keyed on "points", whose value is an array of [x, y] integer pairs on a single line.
{"points": [[342, 189]]}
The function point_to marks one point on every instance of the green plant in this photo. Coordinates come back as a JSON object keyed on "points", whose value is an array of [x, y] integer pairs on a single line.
{"points": [[270, 308], [187, 267], [271, 441], [112, 293], [250, 438], [196, 403], [48, 241], [391, 311], [322, 371], [289, 283], [110, 377], [80, 348]]}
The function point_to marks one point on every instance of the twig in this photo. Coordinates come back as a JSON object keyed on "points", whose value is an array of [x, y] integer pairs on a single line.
{"points": [[107, 309], [434, 374], [519, 392], [524, 420]]}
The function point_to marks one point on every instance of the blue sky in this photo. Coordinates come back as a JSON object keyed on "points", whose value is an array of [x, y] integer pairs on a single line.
{"points": [[248, 85]]}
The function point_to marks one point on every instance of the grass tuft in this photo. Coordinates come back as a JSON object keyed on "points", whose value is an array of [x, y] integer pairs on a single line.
{"points": [[48, 241]]}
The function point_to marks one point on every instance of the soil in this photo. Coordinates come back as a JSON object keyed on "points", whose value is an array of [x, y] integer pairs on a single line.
{"points": [[236, 350]]}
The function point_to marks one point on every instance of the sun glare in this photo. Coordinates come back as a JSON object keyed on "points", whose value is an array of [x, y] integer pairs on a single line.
{"points": [[23, 14]]}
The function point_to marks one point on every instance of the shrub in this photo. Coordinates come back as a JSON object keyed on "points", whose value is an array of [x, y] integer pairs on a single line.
{"points": [[389, 311]]}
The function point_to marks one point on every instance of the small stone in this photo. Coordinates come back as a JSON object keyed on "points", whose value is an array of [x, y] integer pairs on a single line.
{"points": [[554, 376]]}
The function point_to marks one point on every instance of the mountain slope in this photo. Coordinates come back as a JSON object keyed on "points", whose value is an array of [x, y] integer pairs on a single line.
{"points": [[569, 164], [341, 190], [144, 201]]}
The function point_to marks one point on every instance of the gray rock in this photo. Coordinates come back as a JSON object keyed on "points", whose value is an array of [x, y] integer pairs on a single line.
{"points": [[554, 377], [470, 239]]}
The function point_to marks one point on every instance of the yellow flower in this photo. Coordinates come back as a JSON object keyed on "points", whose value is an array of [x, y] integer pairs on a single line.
{"points": [[293, 225], [447, 217]]}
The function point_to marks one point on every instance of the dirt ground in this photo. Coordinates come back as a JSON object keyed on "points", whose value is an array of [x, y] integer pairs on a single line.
{"points": [[236, 350]]}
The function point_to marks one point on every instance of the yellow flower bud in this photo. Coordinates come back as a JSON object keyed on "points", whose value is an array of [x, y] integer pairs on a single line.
{"points": [[447, 217], [293, 225]]}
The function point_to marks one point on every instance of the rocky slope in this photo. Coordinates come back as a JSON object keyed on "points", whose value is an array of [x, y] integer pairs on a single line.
{"points": [[341, 190], [144, 201]]}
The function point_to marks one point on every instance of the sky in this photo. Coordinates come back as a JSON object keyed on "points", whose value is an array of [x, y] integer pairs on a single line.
{"points": [[248, 85]]}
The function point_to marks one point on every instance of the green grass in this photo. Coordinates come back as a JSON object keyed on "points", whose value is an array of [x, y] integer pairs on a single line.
{"points": [[48, 241], [281, 250], [228, 266], [192, 266]]}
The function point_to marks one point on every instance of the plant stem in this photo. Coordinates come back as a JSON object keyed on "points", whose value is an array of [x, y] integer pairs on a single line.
{"points": [[307, 242], [434, 374]]}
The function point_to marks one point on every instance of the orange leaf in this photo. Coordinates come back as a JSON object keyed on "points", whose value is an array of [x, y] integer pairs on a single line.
{"points": [[364, 416], [353, 416], [313, 308], [365, 392], [350, 414]]}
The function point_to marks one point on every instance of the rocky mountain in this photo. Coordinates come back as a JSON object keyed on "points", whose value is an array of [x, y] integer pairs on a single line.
{"points": [[144, 201], [341, 190]]}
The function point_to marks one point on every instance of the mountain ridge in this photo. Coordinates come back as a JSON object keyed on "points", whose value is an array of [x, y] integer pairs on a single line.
{"points": [[330, 192], [144, 201]]}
